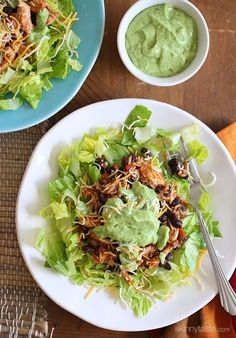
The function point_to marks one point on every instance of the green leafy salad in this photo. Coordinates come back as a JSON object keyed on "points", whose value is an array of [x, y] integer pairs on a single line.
{"points": [[119, 215], [37, 44]]}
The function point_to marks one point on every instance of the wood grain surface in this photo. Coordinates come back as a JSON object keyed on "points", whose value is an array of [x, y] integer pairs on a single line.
{"points": [[210, 95]]}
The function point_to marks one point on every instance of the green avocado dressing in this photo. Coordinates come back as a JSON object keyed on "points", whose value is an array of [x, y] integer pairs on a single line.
{"points": [[134, 221], [162, 40]]}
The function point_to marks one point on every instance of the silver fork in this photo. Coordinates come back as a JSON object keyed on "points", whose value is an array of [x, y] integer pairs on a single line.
{"points": [[226, 293]]}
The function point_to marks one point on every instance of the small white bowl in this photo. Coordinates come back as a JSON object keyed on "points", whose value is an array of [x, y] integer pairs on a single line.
{"points": [[202, 49]]}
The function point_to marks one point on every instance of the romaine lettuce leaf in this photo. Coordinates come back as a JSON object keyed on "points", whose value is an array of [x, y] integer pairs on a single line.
{"points": [[7, 76], [115, 152], [57, 187], [139, 303], [187, 256], [138, 117], [190, 133], [212, 225], [11, 104], [91, 172], [41, 19], [55, 211], [198, 151], [144, 134]]}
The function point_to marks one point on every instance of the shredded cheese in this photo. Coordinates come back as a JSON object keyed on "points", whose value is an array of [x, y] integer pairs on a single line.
{"points": [[88, 293]]}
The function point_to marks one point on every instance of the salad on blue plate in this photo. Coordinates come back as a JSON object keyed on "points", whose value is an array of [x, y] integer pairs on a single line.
{"points": [[37, 43], [119, 215]]}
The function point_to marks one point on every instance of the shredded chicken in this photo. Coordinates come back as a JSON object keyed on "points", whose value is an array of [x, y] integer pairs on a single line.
{"points": [[37, 5], [168, 193], [104, 256], [52, 16], [101, 241], [91, 222], [174, 233], [126, 275], [92, 195], [184, 170], [150, 175], [180, 209], [23, 15], [153, 262], [8, 56]]}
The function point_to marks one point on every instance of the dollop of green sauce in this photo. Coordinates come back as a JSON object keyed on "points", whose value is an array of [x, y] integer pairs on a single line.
{"points": [[162, 40], [134, 221]]}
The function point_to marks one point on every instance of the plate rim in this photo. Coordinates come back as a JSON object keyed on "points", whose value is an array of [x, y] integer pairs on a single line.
{"points": [[73, 93], [180, 110]]}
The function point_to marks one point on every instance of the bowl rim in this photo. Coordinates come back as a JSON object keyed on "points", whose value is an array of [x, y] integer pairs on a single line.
{"points": [[176, 79]]}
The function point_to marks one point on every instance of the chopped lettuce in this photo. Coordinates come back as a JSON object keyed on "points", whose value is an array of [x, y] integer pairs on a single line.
{"points": [[190, 133], [137, 118], [144, 134], [198, 151], [11, 104], [57, 187], [163, 236], [115, 152], [7, 76], [212, 225]]}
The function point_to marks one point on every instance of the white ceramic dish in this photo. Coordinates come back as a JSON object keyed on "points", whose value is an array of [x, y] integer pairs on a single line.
{"points": [[203, 42], [33, 196]]}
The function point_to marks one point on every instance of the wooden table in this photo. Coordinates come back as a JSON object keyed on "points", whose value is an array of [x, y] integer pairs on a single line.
{"points": [[210, 95]]}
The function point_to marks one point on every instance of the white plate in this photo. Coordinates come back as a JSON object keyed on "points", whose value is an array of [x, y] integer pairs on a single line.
{"points": [[100, 308]]}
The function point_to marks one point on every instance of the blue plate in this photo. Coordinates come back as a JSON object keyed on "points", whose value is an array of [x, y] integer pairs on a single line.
{"points": [[90, 29]]}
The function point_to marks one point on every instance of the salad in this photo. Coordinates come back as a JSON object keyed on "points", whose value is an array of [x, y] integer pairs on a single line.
{"points": [[119, 214], [37, 44]]}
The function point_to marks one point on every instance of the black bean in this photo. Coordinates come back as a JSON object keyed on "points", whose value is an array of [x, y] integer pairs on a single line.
{"points": [[185, 176], [165, 266], [148, 154], [144, 150], [174, 165], [88, 249], [34, 18], [134, 157], [8, 10], [100, 160], [163, 218], [169, 256], [159, 188], [177, 248], [175, 202], [123, 199], [175, 221], [102, 198], [102, 163]]}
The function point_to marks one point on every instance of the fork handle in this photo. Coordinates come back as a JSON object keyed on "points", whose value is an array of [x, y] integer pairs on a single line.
{"points": [[226, 292]]}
